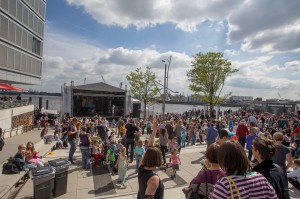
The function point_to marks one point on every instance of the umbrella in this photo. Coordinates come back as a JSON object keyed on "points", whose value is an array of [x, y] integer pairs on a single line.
{"points": [[10, 87]]}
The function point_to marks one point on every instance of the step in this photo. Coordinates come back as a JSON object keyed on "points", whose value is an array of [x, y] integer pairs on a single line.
{"points": [[8, 182]]}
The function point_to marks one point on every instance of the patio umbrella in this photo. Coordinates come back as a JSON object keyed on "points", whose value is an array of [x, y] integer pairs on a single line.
{"points": [[10, 87]]}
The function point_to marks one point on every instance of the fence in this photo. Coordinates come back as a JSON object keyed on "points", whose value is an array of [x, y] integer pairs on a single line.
{"points": [[6, 133], [13, 104]]}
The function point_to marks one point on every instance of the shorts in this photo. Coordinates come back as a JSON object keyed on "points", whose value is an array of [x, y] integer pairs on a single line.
{"points": [[175, 166]]}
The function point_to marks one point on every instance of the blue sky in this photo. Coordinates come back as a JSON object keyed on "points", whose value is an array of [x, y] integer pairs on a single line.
{"points": [[90, 38]]}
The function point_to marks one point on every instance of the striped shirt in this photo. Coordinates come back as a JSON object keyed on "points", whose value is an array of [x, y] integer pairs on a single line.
{"points": [[252, 186]]}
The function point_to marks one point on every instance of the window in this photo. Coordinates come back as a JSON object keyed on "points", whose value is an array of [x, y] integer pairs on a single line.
{"points": [[36, 46], [25, 16], [19, 10], [30, 20], [4, 27], [3, 55], [13, 7], [24, 39], [23, 63], [17, 60], [18, 35], [12, 32], [28, 64], [10, 58], [4, 4]]}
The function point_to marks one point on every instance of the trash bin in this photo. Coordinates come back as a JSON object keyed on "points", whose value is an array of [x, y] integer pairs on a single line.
{"points": [[61, 167], [43, 182]]}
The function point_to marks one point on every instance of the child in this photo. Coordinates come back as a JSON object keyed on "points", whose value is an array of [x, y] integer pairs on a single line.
{"points": [[30, 147], [183, 140], [95, 152], [122, 164], [175, 162], [30, 160], [294, 176], [139, 150]]}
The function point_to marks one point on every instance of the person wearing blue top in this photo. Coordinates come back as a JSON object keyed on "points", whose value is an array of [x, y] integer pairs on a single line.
{"points": [[139, 150], [249, 141], [212, 134], [183, 139]]}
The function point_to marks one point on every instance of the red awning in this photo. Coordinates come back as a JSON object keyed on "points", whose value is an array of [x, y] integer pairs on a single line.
{"points": [[10, 87]]}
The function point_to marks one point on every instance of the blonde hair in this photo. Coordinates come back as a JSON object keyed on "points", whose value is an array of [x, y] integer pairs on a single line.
{"points": [[21, 147], [123, 151], [140, 143], [278, 136]]}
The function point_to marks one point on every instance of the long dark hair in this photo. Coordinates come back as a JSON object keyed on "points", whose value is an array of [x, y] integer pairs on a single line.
{"points": [[233, 159]]}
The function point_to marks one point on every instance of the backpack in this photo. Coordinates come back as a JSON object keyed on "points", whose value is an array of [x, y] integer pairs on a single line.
{"points": [[9, 168], [200, 191]]}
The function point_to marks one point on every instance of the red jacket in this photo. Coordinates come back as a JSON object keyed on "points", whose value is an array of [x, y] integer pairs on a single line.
{"points": [[242, 131]]}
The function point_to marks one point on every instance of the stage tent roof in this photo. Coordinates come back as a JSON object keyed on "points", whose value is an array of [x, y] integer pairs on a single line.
{"points": [[99, 87]]}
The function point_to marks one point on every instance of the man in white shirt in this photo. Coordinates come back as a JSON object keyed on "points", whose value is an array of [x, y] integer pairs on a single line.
{"points": [[252, 121]]}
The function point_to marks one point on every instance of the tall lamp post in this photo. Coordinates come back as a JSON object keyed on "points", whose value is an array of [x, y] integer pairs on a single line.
{"points": [[166, 79]]}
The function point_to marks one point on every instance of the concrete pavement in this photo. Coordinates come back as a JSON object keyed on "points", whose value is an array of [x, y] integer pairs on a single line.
{"points": [[99, 183]]}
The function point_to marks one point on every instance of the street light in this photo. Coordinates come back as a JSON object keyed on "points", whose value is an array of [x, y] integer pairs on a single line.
{"points": [[165, 82]]}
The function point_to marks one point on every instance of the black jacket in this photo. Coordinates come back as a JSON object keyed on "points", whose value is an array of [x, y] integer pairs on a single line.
{"points": [[276, 177]]}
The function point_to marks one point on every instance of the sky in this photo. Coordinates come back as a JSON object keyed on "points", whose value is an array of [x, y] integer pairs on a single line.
{"points": [[87, 39]]}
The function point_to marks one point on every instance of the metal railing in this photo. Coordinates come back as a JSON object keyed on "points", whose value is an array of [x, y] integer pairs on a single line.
{"points": [[18, 130], [13, 104]]}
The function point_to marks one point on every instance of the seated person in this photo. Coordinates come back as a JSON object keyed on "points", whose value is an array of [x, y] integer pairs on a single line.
{"points": [[29, 159]]}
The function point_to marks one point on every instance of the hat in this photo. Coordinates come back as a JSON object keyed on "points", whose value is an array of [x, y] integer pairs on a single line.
{"points": [[242, 121]]}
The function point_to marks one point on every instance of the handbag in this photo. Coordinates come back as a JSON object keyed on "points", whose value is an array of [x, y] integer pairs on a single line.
{"points": [[230, 180], [200, 191]]}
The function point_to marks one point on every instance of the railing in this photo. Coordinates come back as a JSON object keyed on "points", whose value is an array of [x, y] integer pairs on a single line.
{"points": [[14, 103], [18, 130]]}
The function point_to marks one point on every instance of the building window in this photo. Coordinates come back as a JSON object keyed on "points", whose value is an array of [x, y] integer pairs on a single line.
{"points": [[36, 46], [3, 55], [4, 27]]}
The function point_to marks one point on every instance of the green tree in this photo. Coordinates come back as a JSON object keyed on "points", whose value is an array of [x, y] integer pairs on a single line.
{"points": [[208, 74], [142, 85]]}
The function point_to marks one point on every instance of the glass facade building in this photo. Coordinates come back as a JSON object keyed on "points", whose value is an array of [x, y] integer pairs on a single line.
{"points": [[21, 41]]}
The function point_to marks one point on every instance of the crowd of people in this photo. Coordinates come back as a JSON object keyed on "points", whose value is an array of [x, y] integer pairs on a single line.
{"points": [[249, 154]]}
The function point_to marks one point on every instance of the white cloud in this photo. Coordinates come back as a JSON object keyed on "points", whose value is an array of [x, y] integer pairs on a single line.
{"points": [[268, 25]]}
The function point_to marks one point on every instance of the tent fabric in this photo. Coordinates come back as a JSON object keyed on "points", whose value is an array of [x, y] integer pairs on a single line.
{"points": [[10, 87]]}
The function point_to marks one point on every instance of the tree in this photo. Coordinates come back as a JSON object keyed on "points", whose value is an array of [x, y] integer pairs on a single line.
{"points": [[208, 74], [142, 85]]}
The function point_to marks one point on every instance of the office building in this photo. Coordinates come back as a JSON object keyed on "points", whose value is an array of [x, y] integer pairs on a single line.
{"points": [[21, 41]]}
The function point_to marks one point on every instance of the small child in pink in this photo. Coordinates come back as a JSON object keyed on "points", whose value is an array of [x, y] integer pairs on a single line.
{"points": [[175, 162]]}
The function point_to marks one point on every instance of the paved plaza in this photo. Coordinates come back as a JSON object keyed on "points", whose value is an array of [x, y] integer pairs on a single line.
{"points": [[99, 183]]}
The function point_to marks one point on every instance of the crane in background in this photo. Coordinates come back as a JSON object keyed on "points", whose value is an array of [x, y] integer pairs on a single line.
{"points": [[103, 79], [279, 96]]}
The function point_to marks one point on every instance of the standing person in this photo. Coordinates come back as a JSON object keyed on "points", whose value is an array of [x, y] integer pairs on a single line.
{"points": [[263, 150], [249, 141], [163, 142], [282, 153], [175, 162], [122, 164], [212, 134], [72, 139], [178, 132], [139, 151], [169, 127], [148, 127], [150, 185], [242, 132], [120, 124], [102, 131], [184, 134], [131, 131], [85, 142], [239, 181]]}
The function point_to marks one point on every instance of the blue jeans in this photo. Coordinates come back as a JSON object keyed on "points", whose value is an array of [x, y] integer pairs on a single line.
{"points": [[183, 142], [138, 159], [73, 145], [85, 154]]}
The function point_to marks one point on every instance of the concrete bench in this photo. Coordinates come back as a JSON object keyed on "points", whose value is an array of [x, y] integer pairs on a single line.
{"points": [[8, 183]]}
